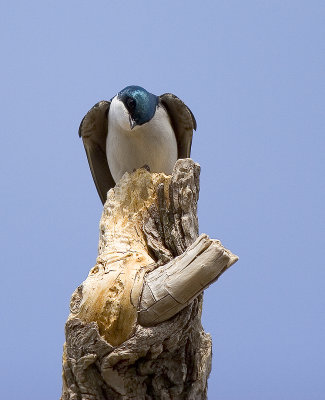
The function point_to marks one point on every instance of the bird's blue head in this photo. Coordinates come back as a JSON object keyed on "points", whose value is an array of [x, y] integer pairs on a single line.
{"points": [[141, 105]]}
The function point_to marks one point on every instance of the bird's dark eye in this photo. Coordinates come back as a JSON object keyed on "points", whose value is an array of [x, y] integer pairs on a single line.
{"points": [[130, 103]]}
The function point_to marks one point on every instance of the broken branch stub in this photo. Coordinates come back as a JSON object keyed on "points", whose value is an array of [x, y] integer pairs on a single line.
{"points": [[170, 288], [134, 329]]}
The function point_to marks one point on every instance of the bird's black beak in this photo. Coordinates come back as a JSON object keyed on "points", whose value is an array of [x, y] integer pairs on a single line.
{"points": [[132, 122]]}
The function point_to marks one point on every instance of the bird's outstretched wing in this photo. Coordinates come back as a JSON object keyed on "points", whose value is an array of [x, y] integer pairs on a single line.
{"points": [[183, 122], [93, 130]]}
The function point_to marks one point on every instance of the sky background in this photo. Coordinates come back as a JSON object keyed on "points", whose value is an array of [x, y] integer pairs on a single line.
{"points": [[253, 74]]}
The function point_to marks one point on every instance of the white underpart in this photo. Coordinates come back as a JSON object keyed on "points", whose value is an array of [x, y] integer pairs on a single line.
{"points": [[153, 143]]}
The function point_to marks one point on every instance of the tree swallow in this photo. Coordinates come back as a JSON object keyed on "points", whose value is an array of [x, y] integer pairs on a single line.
{"points": [[135, 129]]}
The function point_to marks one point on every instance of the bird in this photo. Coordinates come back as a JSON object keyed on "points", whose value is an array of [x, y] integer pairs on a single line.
{"points": [[135, 129]]}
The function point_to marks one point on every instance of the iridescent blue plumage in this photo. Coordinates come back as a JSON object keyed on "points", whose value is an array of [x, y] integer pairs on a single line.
{"points": [[140, 104]]}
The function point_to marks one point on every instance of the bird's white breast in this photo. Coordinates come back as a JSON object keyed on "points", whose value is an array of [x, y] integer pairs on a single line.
{"points": [[153, 143]]}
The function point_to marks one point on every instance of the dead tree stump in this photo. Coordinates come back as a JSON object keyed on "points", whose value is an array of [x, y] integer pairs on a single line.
{"points": [[134, 329]]}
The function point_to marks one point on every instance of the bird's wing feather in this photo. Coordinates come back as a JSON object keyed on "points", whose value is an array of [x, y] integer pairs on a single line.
{"points": [[93, 130], [183, 122]]}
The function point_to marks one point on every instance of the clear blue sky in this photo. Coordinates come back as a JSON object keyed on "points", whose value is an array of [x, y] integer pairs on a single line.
{"points": [[253, 74]]}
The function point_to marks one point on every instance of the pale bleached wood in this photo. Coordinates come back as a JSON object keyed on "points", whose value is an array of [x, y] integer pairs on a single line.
{"points": [[171, 287], [120, 342]]}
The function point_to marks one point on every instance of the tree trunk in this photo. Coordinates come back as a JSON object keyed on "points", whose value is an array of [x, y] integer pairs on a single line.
{"points": [[134, 329]]}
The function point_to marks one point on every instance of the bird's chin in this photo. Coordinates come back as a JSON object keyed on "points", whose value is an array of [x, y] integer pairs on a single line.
{"points": [[129, 129]]}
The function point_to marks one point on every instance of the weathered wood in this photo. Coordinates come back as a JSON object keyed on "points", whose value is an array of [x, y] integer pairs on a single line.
{"points": [[134, 329], [170, 288]]}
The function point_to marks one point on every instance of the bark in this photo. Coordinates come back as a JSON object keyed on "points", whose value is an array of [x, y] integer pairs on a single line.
{"points": [[134, 329]]}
